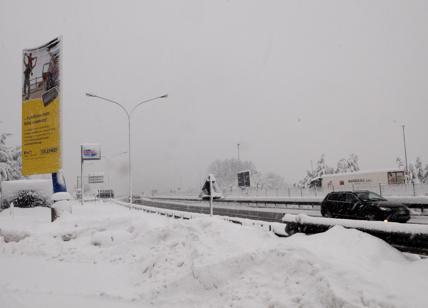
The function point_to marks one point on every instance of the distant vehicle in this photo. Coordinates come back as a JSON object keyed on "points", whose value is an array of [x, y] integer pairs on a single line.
{"points": [[137, 199], [205, 194], [105, 193], [359, 179], [78, 194], [363, 204]]}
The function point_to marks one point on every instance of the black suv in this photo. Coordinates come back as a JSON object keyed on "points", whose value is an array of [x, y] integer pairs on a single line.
{"points": [[363, 205]]}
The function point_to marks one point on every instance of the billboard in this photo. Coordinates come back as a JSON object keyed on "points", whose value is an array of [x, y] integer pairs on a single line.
{"points": [[41, 109], [244, 178], [90, 151]]}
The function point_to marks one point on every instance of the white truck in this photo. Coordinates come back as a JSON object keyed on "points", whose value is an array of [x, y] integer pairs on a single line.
{"points": [[359, 179]]}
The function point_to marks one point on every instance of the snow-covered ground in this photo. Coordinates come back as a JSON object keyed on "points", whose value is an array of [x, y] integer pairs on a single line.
{"points": [[104, 255]]}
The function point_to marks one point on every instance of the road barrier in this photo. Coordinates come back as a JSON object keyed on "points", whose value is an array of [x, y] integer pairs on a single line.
{"points": [[413, 203], [277, 228]]}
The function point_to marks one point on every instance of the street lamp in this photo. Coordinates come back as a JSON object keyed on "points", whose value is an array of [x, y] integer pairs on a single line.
{"points": [[406, 168], [405, 149], [128, 114]]}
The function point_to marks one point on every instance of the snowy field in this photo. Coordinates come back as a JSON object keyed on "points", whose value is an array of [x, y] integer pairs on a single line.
{"points": [[104, 255]]}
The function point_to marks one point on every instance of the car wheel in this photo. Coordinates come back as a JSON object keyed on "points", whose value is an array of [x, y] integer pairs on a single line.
{"points": [[327, 214], [371, 217], [291, 228]]}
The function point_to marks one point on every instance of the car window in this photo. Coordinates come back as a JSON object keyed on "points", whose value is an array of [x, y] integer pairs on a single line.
{"points": [[370, 196], [341, 197], [333, 197], [363, 195], [350, 198], [374, 196]]}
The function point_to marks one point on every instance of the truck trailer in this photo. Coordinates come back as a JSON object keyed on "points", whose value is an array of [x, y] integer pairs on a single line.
{"points": [[359, 179]]}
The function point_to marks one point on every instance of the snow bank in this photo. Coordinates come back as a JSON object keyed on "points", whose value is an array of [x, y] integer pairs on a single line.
{"points": [[362, 224], [104, 255]]}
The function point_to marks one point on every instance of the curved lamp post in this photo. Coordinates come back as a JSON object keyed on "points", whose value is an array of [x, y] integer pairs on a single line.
{"points": [[405, 149], [128, 114]]}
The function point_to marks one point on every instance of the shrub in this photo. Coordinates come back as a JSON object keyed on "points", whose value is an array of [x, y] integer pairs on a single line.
{"points": [[27, 199]]}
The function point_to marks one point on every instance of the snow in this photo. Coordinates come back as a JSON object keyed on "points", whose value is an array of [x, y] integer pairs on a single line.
{"points": [[105, 255], [363, 224], [59, 196]]}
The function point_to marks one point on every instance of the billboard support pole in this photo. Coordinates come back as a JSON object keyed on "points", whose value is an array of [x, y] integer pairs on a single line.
{"points": [[129, 159]]}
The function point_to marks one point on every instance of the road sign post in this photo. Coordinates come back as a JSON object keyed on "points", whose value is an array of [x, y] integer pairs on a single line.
{"points": [[87, 152]]}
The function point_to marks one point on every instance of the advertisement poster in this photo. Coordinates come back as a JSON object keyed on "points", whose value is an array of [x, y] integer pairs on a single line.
{"points": [[41, 109], [90, 151]]}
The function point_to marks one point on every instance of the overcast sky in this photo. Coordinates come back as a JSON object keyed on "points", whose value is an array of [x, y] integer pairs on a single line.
{"points": [[288, 80]]}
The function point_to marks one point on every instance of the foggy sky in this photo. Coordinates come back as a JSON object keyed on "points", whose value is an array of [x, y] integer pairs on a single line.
{"points": [[288, 80]]}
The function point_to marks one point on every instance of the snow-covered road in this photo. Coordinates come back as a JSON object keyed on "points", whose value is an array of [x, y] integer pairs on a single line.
{"points": [[104, 255], [416, 216]]}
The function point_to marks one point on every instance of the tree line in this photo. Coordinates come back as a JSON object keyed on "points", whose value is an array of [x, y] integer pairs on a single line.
{"points": [[344, 165], [417, 172], [226, 172], [10, 160]]}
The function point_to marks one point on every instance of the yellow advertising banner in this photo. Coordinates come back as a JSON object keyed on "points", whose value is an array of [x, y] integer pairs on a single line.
{"points": [[41, 109]]}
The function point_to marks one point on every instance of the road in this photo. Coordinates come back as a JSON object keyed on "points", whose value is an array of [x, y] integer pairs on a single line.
{"points": [[308, 210]]}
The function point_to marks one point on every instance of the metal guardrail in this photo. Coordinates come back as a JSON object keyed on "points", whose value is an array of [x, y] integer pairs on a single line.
{"points": [[240, 213], [422, 206], [185, 213]]}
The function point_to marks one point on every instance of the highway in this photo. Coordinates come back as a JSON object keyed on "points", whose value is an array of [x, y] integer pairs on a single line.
{"points": [[256, 210]]}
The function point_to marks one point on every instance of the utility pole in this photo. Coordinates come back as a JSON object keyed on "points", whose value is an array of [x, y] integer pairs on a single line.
{"points": [[405, 150]]}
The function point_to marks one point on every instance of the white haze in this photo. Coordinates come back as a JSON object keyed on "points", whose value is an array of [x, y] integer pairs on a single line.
{"points": [[288, 80]]}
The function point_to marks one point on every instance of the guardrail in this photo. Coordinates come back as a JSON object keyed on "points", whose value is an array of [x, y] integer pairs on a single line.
{"points": [[299, 202], [275, 227], [230, 212]]}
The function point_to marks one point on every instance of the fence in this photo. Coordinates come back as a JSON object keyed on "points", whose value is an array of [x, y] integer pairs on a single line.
{"points": [[382, 189]]}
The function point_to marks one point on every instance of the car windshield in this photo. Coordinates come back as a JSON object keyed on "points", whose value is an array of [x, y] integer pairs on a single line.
{"points": [[370, 196]]}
